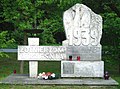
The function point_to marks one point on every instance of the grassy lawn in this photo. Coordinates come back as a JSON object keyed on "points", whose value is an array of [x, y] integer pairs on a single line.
{"points": [[8, 65]]}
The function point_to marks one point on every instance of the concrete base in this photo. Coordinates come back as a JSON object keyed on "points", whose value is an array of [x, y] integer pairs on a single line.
{"points": [[33, 68], [82, 68], [25, 79]]}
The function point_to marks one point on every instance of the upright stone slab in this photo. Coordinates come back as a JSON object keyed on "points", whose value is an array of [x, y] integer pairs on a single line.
{"points": [[82, 26], [83, 30], [33, 65]]}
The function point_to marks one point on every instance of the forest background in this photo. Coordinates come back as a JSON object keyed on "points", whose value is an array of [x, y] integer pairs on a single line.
{"points": [[47, 15]]}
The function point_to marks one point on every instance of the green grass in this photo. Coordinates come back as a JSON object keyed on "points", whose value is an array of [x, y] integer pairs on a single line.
{"points": [[8, 65], [51, 87]]}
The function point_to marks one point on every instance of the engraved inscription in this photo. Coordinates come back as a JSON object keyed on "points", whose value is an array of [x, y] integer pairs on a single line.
{"points": [[41, 52], [85, 53]]}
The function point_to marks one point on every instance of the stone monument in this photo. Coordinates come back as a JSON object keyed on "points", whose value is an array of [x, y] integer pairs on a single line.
{"points": [[80, 53], [83, 30]]}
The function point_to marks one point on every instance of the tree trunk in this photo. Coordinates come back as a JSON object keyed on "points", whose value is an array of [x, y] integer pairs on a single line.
{"points": [[21, 67], [22, 62], [119, 63]]}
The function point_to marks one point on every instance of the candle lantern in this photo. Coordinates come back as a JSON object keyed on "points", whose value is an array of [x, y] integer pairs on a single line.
{"points": [[78, 58], [106, 75], [70, 58], [14, 71]]}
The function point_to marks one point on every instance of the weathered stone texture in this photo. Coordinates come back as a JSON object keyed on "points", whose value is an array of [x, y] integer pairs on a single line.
{"points": [[86, 53], [82, 69], [82, 26]]}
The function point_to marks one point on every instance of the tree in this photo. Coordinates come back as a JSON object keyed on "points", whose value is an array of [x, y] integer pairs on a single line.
{"points": [[5, 42], [111, 35]]}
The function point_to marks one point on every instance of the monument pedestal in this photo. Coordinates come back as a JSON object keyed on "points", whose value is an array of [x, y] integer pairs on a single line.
{"points": [[82, 68]]}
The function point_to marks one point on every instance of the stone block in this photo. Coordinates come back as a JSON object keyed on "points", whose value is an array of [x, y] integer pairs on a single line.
{"points": [[33, 41], [65, 43], [82, 68], [33, 69]]}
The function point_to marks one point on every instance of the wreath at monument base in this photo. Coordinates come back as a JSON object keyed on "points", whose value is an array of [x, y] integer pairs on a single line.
{"points": [[47, 76]]}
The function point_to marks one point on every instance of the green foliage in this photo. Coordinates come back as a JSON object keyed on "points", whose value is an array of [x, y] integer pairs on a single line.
{"points": [[5, 42], [110, 55], [18, 36], [19, 12], [51, 27], [2, 54], [111, 28], [111, 1], [111, 38], [66, 4]]}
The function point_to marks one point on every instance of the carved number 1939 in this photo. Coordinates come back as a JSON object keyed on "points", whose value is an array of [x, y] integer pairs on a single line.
{"points": [[85, 37]]}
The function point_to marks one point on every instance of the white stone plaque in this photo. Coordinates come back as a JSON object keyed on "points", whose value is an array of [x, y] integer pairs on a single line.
{"points": [[41, 52]]}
